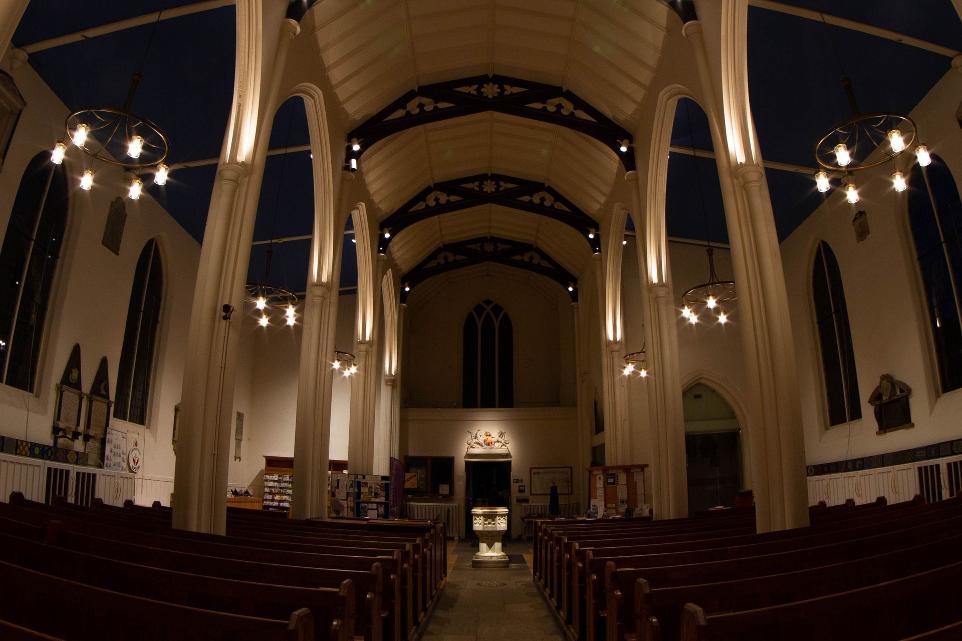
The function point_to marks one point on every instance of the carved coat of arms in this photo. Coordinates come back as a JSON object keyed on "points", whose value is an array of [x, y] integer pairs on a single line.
{"points": [[483, 440]]}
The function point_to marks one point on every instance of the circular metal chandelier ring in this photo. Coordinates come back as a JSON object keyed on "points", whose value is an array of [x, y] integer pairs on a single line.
{"points": [[824, 153], [155, 143], [722, 290]]}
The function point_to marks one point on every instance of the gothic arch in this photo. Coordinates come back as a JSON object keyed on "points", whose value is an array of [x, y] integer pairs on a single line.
{"points": [[364, 325], [613, 256], [389, 305]]}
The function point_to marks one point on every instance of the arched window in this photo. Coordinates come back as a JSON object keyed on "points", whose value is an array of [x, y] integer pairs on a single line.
{"points": [[835, 339], [935, 214], [28, 262], [140, 335], [488, 364]]}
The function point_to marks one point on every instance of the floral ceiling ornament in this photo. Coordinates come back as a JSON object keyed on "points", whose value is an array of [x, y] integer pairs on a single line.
{"points": [[484, 440]]}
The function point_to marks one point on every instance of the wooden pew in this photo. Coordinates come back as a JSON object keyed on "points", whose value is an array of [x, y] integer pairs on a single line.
{"points": [[661, 608], [912, 605], [269, 601], [12, 632], [80, 612], [662, 570]]}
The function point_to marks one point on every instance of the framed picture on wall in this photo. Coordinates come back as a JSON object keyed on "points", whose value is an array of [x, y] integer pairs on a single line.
{"points": [[543, 477]]}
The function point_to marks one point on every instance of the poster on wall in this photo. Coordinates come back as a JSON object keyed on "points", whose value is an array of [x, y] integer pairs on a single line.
{"points": [[115, 454], [542, 478]]}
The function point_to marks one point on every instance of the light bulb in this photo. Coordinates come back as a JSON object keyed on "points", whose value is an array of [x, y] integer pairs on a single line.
{"points": [[851, 193], [591, 235], [336, 365], [711, 302], [693, 318], [59, 150], [79, 136], [160, 177], [643, 373], [352, 369], [346, 373], [136, 189], [624, 242], [922, 155], [291, 320], [354, 240], [135, 146], [898, 181], [264, 321], [842, 156], [87, 180], [722, 318], [623, 147], [571, 288], [260, 303], [355, 145], [407, 288], [387, 234], [822, 182], [896, 141], [686, 311], [353, 164], [629, 368], [290, 311]]}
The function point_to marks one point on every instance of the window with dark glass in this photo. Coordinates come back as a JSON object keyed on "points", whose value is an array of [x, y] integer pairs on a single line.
{"points": [[935, 215], [488, 364], [28, 262], [140, 336], [835, 339]]}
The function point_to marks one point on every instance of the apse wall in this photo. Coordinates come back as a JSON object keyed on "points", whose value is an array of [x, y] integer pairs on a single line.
{"points": [[540, 312], [91, 291], [886, 309]]}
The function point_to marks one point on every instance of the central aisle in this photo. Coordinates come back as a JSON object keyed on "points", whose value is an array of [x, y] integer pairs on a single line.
{"points": [[491, 605]]}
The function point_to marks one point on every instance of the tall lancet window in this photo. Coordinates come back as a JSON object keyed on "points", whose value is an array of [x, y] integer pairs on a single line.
{"points": [[28, 262], [935, 214], [835, 339], [140, 335], [488, 364]]}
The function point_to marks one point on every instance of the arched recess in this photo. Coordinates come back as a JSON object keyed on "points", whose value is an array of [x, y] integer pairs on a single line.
{"points": [[656, 225], [364, 324], [389, 304], [322, 249]]}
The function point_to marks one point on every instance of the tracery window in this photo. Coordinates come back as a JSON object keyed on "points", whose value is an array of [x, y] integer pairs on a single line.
{"points": [[935, 216], [835, 339], [28, 262], [140, 336], [488, 363]]}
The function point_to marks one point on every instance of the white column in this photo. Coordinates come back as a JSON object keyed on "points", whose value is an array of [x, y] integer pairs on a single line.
{"points": [[360, 446], [668, 470], [315, 381], [203, 448], [774, 428]]}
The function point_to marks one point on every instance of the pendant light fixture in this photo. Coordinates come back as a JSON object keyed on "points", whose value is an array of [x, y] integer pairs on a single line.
{"points": [[637, 363], [118, 136]]}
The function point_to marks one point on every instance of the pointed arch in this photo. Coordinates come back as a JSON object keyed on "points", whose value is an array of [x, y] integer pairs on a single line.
{"points": [[613, 254], [656, 225], [389, 297], [324, 233], [839, 377], [935, 217], [140, 337], [28, 264], [364, 325], [488, 361]]}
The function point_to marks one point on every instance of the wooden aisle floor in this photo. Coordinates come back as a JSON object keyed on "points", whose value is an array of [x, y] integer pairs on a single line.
{"points": [[491, 605]]}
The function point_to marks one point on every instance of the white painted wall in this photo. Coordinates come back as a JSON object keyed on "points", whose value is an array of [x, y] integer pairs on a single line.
{"points": [[92, 289], [885, 302]]}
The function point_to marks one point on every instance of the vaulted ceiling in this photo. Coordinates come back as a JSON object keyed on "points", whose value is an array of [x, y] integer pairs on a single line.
{"points": [[374, 51]]}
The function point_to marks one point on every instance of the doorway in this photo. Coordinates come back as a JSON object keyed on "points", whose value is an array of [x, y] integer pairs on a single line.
{"points": [[486, 484], [712, 448]]}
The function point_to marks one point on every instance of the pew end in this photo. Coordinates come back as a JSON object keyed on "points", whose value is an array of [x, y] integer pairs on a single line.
{"points": [[300, 626], [693, 623]]}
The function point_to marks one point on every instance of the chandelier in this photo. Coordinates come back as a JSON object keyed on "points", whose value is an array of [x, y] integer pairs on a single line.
{"points": [[345, 363], [866, 141], [711, 296], [636, 363], [272, 302], [118, 136]]}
